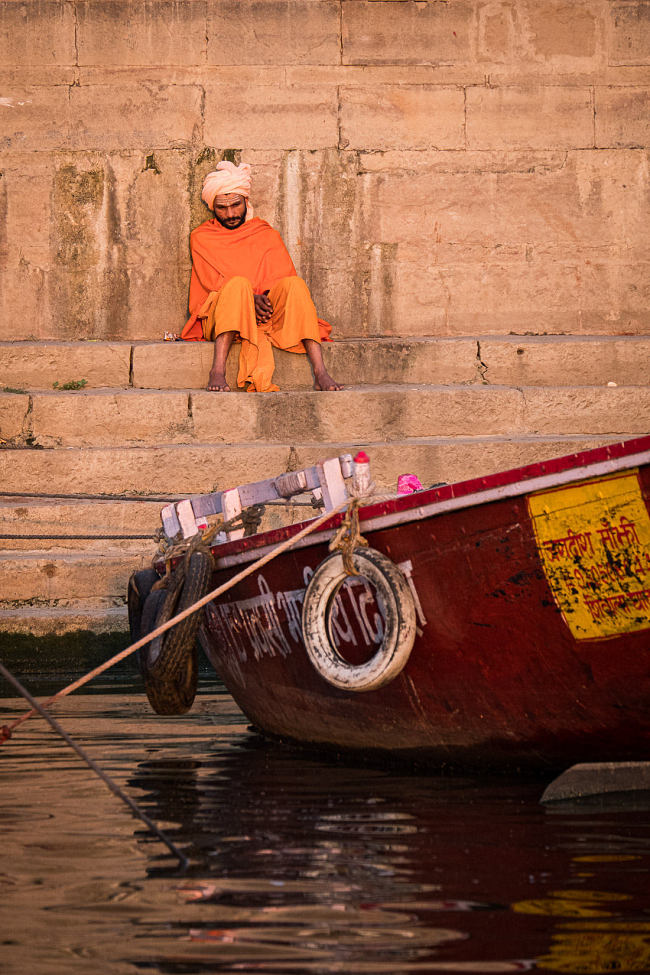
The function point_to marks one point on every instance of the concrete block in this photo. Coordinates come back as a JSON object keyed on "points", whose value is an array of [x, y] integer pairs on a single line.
{"points": [[532, 118], [120, 32], [366, 414], [497, 32], [35, 119], [156, 75], [23, 543], [152, 193], [539, 297], [401, 163], [88, 303], [622, 118], [270, 117], [27, 75], [176, 470], [561, 29], [577, 205], [92, 615], [40, 523], [37, 32], [25, 192], [374, 361], [14, 409], [134, 116], [629, 32], [157, 299], [614, 298], [106, 417], [587, 207], [380, 32], [24, 303], [595, 410], [404, 116], [369, 76], [445, 217], [565, 361], [175, 365], [32, 577], [273, 32], [40, 365], [528, 41]]}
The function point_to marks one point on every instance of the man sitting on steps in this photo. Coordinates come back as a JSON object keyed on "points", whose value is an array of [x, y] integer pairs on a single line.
{"points": [[244, 285]]}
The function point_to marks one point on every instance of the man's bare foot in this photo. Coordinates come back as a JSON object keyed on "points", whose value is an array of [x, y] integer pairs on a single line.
{"points": [[324, 382], [217, 383]]}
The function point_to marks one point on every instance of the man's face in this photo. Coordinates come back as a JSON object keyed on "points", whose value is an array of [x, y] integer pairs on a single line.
{"points": [[230, 210]]}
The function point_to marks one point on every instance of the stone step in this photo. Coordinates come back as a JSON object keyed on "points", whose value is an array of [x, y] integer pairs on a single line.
{"points": [[36, 578], [552, 360], [512, 360], [28, 523], [200, 468], [38, 365], [89, 615], [95, 418]]}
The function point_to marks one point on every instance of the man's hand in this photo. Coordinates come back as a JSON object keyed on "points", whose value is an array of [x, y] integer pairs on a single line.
{"points": [[263, 309]]}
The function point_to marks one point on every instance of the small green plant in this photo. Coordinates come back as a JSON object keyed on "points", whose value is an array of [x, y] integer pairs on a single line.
{"points": [[12, 389], [72, 384]]}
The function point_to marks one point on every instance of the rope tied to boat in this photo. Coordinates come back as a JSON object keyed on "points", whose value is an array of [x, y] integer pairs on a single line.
{"points": [[349, 537], [184, 550], [249, 519]]}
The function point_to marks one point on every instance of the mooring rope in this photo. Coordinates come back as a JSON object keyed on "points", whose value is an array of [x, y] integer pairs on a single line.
{"points": [[85, 757], [58, 538], [6, 731], [165, 499], [349, 537]]}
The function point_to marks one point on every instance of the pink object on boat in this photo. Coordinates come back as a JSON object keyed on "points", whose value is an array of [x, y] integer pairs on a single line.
{"points": [[408, 483]]}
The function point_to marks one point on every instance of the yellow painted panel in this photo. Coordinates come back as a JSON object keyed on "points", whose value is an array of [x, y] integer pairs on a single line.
{"points": [[594, 543]]}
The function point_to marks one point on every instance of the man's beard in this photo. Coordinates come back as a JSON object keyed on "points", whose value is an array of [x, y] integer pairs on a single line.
{"points": [[233, 222]]}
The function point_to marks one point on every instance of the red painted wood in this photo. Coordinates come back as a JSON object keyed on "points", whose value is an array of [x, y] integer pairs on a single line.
{"points": [[495, 676]]}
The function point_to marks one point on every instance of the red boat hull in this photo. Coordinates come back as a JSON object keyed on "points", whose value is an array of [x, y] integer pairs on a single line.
{"points": [[522, 657]]}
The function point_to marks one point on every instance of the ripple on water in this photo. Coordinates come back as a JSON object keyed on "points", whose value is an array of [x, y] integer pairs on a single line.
{"points": [[296, 864]]}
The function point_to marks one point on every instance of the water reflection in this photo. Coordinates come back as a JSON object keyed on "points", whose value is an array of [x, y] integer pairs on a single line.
{"points": [[300, 865]]}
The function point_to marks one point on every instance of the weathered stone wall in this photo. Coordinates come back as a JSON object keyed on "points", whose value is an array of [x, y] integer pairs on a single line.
{"points": [[438, 167]]}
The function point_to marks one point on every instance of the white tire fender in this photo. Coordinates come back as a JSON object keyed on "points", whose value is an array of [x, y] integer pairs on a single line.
{"points": [[398, 609]]}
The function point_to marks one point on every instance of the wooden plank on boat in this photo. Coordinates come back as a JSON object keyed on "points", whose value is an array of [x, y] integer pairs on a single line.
{"points": [[232, 507], [171, 524], [332, 483], [207, 504], [186, 518], [597, 778]]}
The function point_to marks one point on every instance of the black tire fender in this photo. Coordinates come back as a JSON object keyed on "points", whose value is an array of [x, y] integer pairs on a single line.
{"points": [[394, 595], [140, 584], [139, 588], [170, 661]]}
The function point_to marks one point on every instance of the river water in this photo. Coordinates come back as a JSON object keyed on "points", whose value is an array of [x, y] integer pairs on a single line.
{"points": [[297, 864]]}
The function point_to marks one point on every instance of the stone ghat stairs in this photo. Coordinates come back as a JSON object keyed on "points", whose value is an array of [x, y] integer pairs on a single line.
{"points": [[139, 427]]}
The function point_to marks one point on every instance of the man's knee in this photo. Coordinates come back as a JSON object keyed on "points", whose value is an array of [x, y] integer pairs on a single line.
{"points": [[238, 285], [294, 284]]}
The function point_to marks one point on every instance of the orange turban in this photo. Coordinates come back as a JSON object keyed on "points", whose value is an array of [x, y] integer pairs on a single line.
{"points": [[226, 178]]}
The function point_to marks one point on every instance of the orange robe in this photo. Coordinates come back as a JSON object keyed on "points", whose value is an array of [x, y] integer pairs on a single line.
{"points": [[252, 253]]}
